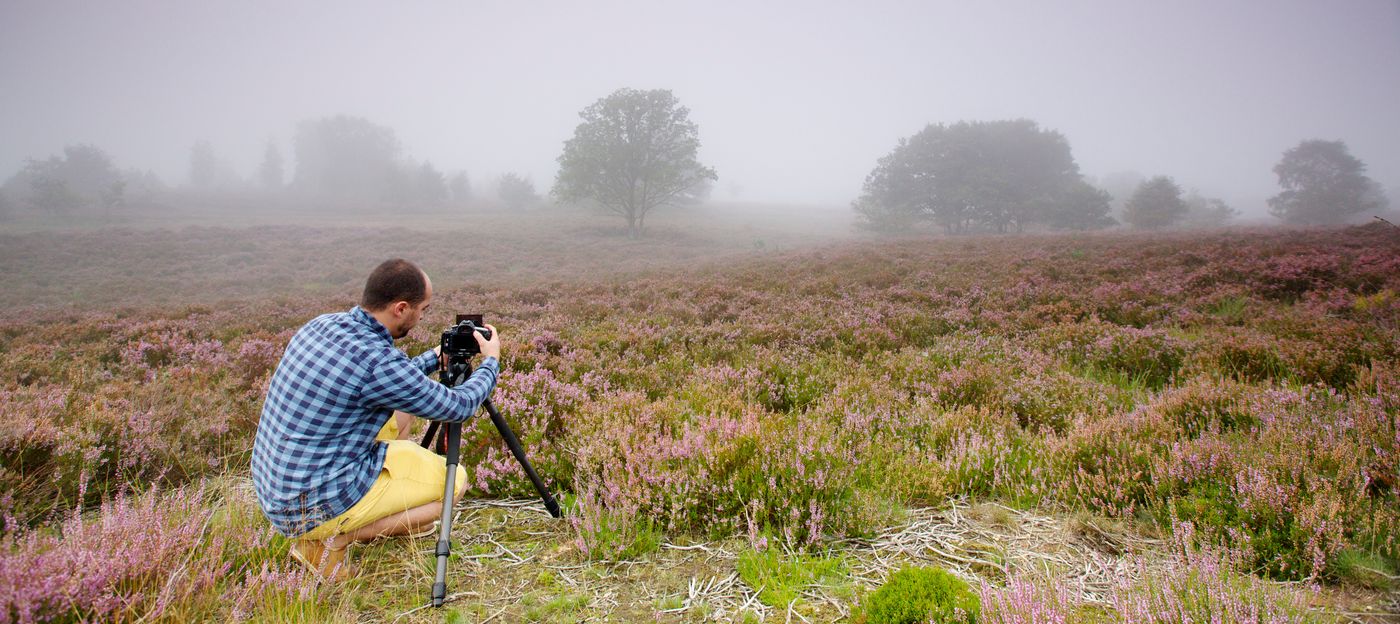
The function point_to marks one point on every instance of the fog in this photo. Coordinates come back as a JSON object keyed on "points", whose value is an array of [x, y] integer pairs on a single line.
{"points": [[795, 101]]}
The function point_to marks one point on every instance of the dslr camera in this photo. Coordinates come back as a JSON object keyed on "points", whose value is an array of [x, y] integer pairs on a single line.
{"points": [[458, 343]]}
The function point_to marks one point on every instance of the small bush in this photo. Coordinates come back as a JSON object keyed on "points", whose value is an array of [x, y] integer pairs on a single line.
{"points": [[914, 595]]}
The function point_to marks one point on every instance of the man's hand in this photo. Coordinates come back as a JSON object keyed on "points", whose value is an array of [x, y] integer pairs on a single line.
{"points": [[442, 359], [492, 347]]}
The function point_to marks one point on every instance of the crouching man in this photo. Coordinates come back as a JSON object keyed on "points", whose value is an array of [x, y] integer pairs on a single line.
{"points": [[331, 462]]}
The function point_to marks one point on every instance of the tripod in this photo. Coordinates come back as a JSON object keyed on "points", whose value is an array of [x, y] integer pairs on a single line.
{"points": [[450, 440]]}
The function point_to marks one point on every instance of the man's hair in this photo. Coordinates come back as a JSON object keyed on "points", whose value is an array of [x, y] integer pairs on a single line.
{"points": [[392, 281]]}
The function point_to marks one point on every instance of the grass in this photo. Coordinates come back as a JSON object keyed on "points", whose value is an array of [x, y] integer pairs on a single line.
{"points": [[780, 578], [1365, 569]]}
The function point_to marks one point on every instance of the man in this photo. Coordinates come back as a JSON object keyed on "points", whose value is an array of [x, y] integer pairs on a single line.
{"points": [[332, 464]]}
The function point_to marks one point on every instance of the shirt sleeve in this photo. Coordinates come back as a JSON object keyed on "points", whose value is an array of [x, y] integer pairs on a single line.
{"points": [[427, 362], [398, 383]]}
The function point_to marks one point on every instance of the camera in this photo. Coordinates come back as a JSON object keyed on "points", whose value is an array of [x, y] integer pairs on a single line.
{"points": [[458, 341]]}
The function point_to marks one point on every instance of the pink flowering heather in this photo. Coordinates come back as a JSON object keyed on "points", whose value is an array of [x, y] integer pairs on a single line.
{"points": [[1244, 382]]}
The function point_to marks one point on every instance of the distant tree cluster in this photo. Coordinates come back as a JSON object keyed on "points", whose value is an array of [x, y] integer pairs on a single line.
{"points": [[1207, 212], [345, 157], [993, 176], [84, 177], [518, 192], [1001, 176]]}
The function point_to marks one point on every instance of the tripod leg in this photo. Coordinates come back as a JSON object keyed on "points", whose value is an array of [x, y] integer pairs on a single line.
{"points": [[428, 436], [444, 544], [519, 452]]}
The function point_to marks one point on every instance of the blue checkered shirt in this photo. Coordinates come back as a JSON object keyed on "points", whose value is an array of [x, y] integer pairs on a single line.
{"points": [[339, 381]]}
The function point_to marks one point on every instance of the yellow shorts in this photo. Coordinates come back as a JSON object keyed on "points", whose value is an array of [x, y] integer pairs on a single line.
{"points": [[412, 476]]}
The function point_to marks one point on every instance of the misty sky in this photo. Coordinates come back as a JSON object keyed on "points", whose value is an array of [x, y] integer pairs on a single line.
{"points": [[795, 100]]}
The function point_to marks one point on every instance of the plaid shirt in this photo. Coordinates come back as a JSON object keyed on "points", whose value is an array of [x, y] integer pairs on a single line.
{"points": [[339, 381]]}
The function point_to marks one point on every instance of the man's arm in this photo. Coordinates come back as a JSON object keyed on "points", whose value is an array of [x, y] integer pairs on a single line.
{"points": [[427, 361], [399, 383]]}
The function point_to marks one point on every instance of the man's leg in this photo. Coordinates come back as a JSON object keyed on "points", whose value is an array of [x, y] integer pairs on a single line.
{"points": [[401, 523], [403, 420], [412, 481]]}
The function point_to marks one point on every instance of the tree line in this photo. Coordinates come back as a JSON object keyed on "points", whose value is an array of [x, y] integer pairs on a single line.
{"points": [[1000, 176], [637, 150], [339, 158]]}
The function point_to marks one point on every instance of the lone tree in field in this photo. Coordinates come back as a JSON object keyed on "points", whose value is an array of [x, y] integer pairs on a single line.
{"points": [[1000, 175], [1323, 183], [1155, 204], [634, 151]]}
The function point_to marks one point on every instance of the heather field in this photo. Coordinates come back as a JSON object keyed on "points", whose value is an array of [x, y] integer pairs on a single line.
{"points": [[746, 424]]}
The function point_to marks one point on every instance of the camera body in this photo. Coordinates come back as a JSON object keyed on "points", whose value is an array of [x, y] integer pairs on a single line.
{"points": [[458, 341]]}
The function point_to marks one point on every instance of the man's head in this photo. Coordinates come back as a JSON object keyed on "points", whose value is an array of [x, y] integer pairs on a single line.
{"points": [[397, 294]]}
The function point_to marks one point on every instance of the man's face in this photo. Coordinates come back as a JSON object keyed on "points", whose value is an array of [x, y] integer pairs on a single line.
{"points": [[410, 315]]}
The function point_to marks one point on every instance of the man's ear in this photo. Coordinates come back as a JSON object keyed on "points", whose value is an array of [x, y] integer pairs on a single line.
{"points": [[401, 308]]}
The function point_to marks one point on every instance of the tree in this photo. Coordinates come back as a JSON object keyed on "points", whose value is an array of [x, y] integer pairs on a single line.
{"points": [[634, 152], [1120, 185], [516, 191], [270, 172], [114, 195], [430, 187], [62, 184], [1081, 207], [1001, 175], [1207, 212], [141, 183], [460, 187], [50, 193], [346, 156], [1155, 204], [1323, 183], [88, 169], [204, 166]]}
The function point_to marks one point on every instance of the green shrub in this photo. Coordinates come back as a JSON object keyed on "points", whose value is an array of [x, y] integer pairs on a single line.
{"points": [[914, 595]]}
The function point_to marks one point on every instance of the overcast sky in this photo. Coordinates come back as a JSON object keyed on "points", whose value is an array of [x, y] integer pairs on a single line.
{"points": [[795, 100]]}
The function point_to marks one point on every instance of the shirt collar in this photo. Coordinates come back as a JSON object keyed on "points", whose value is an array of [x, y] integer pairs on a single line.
{"points": [[363, 317]]}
